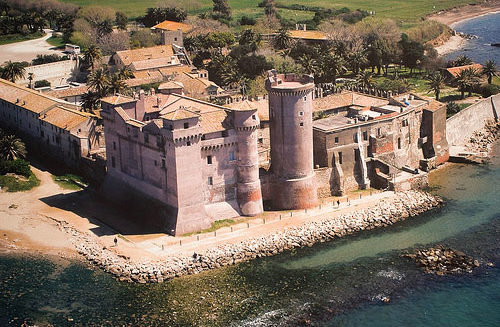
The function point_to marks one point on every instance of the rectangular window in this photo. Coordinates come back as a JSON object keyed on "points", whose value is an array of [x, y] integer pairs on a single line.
{"points": [[203, 137], [231, 156], [188, 143], [210, 181], [209, 160], [156, 163], [301, 124], [340, 157], [114, 145], [336, 139], [399, 143], [113, 162], [186, 125], [355, 137], [254, 117], [163, 163], [301, 113], [378, 132], [365, 135]]}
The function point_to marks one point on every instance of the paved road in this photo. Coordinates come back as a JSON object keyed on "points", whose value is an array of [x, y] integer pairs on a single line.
{"points": [[27, 50]]}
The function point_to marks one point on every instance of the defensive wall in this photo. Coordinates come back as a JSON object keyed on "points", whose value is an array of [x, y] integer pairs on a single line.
{"points": [[57, 73], [460, 127]]}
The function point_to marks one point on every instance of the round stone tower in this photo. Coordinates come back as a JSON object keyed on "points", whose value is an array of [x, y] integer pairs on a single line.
{"points": [[290, 114], [246, 124]]}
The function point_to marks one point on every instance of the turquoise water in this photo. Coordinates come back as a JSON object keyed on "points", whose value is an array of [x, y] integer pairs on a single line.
{"points": [[487, 29], [339, 283]]}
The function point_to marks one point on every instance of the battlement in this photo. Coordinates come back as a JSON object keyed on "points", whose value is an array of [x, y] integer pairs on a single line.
{"points": [[288, 82]]}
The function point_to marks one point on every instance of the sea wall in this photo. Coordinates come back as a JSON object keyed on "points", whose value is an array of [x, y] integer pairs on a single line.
{"points": [[387, 212], [460, 127]]}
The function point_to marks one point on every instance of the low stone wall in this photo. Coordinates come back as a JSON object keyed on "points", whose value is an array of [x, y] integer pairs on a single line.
{"points": [[386, 212], [460, 127]]}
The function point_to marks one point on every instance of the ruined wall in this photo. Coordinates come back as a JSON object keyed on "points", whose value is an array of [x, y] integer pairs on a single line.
{"points": [[57, 73], [459, 128]]}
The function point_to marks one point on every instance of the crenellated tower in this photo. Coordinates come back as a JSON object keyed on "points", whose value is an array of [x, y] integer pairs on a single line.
{"points": [[246, 124], [290, 114]]}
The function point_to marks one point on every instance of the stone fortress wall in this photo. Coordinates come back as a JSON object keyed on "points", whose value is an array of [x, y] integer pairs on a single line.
{"points": [[461, 126]]}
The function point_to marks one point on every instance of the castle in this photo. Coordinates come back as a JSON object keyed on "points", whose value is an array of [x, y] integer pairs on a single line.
{"points": [[199, 162]]}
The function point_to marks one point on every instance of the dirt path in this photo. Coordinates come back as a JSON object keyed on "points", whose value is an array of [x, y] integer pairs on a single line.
{"points": [[27, 50]]}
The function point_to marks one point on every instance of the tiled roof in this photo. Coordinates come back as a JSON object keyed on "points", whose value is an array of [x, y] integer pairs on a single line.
{"points": [[454, 71], [130, 56], [434, 105], [65, 118], [147, 74], [345, 99], [193, 85], [170, 85], [244, 105], [262, 107], [172, 70], [179, 113], [214, 121], [118, 99], [24, 97], [173, 26], [71, 91], [151, 63], [307, 35]]}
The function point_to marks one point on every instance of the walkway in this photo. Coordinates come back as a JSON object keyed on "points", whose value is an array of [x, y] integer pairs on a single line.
{"points": [[27, 50]]}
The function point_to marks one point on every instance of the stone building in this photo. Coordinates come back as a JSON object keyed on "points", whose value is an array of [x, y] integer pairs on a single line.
{"points": [[53, 126], [172, 32]]}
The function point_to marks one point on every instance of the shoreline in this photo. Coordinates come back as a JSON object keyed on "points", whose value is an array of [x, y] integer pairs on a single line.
{"points": [[388, 211], [454, 16]]}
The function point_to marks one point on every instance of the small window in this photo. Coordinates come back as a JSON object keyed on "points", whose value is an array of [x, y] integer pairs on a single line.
{"points": [[336, 139], [225, 133], [186, 125], [340, 157], [210, 181], [162, 163], [188, 143], [301, 113], [171, 127], [113, 162], [301, 124], [231, 156], [378, 132], [203, 137], [355, 137], [399, 143], [114, 145], [305, 98], [365, 135], [156, 163], [175, 39], [254, 117], [209, 160]]}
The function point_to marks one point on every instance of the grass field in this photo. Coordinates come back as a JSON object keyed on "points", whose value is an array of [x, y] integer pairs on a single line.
{"points": [[15, 183], [56, 41], [405, 12], [69, 181], [12, 38]]}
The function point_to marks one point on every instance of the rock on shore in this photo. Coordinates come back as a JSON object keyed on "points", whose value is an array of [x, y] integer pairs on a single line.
{"points": [[443, 261], [481, 140], [387, 212]]}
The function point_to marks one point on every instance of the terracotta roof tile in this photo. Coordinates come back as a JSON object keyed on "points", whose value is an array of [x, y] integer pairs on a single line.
{"points": [[173, 26], [214, 121], [118, 99], [68, 92], [65, 118], [130, 56], [28, 99], [179, 114], [262, 107], [454, 71]]}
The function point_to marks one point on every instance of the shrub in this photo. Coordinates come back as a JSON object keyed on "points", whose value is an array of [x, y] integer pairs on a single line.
{"points": [[18, 167], [42, 83], [245, 20], [488, 90], [452, 108]]}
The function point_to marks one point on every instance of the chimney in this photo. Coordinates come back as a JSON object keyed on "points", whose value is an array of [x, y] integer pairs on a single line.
{"points": [[153, 91], [158, 101], [140, 106]]}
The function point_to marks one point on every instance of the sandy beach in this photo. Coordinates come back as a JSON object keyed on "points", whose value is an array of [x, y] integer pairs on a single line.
{"points": [[454, 16]]}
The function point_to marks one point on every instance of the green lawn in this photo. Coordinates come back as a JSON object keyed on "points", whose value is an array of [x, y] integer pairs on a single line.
{"points": [[12, 38], [56, 41], [69, 181], [14, 183], [407, 13]]}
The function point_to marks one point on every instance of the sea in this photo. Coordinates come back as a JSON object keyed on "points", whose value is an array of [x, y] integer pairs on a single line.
{"points": [[487, 30], [360, 280]]}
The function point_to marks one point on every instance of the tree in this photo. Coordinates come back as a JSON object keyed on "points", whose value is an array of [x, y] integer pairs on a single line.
{"points": [[222, 8], [113, 42], [90, 101], [251, 38], [121, 20], [489, 70], [462, 61], [364, 79], [357, 60], [331, 67], [270, 8], [116, 84], [11, 148], [125, 73], [98, 82], [282, 40], [310, 64], [157, 15], [91, 55], [13, 70], [466, 80], [435, 81], [143, 38], [412, 52], [452, 108]]}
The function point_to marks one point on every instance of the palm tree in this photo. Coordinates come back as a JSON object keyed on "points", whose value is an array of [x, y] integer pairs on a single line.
{"points": [[466, 79], [490, 70], [116, 84], [91, 55], [310, 64], [90, 101], [98, 82], [357, 60], [332, 66], [462, 61], [12, 148], [125, 73], [282, 40], [364, 79], [435, 82], [12, 71]]}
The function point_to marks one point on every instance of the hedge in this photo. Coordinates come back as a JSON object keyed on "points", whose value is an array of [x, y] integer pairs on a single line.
{"points": [[18, 167]]}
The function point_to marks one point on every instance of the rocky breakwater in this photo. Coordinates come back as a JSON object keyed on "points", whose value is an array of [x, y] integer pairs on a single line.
{"points": [[443, 261], [480, 142], [387, 212]]}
